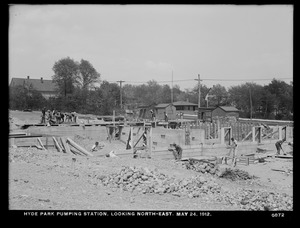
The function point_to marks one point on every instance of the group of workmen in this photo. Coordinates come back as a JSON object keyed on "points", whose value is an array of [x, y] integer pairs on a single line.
{"points": [[57, 117]]}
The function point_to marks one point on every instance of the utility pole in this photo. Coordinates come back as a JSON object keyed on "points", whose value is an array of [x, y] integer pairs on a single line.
{"points": [[199, 95], [250, 103], [172, 89], [121, 92]]}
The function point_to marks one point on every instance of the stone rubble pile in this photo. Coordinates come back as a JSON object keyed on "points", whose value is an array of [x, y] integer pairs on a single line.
{"points": [[235, 174], [143, 180], [258, 200], [201, 166]]}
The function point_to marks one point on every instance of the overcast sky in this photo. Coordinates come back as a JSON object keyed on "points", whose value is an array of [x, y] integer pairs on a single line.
{"points": [[138, 43]]}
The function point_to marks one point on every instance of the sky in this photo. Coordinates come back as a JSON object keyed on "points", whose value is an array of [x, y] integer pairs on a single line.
{"points": [[225, 44]]}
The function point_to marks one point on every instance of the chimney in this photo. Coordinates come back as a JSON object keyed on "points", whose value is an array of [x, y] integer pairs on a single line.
{"points": [[42, 81], [27, 77], [187, 100]]}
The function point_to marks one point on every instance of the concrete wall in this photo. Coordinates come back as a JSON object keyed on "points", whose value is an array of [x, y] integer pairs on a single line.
{"points": [[93, 132]]}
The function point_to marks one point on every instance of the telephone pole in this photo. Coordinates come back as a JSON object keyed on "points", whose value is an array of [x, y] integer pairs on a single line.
{"points": [[121, 93], [199, 95], [172, 89]]}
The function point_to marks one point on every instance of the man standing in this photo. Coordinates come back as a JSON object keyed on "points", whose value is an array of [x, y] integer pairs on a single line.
{"points": [[44, 115], [233, 150], [166, 116]]}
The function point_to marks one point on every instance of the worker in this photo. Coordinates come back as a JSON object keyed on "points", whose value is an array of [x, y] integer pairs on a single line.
{"points": [[232, 151], [43, 115], [152, 115], [278, 146], [166, 116], [94, 148], [177, 151]]}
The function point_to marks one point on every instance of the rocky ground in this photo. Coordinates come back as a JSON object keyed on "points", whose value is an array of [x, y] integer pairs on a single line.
{"points": [[46, 180], [50, 180]]}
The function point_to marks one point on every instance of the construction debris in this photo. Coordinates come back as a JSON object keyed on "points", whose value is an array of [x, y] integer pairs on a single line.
{"points": [[235, 174], [201, 166], [146, 181]]}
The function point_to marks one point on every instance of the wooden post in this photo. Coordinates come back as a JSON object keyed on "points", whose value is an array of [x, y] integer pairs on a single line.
{"points": [[113, 134], [131, 136], [81, 149], [150, 142], [47, 143], [222, 135], [280, 132], [253, 134]]}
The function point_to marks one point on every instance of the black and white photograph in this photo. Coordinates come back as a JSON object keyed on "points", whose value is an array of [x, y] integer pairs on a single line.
{"points": [[171, 110]]}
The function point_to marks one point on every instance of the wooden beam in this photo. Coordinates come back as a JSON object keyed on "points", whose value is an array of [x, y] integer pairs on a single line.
{"points": [[81, 149], [271, 134], [247, 136], [58, 147], [41, 144], [65, 145]]}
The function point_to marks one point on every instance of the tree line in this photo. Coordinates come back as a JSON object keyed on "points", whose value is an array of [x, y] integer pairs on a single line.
{"points": [[80, 89]]}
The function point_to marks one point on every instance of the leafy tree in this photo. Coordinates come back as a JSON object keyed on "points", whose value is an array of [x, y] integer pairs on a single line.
{"points": [[66, 75], [88, 74], [219, 95], [283, 93]]}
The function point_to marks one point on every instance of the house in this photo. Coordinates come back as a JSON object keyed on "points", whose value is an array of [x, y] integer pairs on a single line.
{"points": [[185, 107], [46, 87], [225, 111], [205, 113], [160, 110]]}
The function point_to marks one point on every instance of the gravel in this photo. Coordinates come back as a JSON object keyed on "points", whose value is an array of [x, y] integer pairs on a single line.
{"points": [[146, 181]]}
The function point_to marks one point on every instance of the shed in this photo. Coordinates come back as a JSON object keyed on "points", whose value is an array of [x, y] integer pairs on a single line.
{"points": [[185, 107], [224, 111], [205, 113], [168, 108]]}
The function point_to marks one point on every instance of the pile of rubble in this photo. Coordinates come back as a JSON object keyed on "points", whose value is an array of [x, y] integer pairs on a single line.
{"points": [[258, 200], [143, 180], [235, 174], [202, 166]]}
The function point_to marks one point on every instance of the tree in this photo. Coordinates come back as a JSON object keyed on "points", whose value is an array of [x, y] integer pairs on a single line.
{"points": [[66, 75], [283, 93], [248, 98], [88, 74], [219, 95]]}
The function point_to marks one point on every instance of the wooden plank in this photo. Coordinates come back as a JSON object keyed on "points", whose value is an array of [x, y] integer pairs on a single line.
{"points": [[247, 136], [41, 144], [58, 147], [65, 145], [76, 152], [78, 147]]}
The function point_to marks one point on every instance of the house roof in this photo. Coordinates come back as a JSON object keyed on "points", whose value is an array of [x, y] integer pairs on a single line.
{"points": [[183, 103], [37, 84], [162, 105], [229, 108]]}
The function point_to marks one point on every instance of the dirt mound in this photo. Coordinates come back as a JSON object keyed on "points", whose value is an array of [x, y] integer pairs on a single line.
{"points": [[235, 174]]}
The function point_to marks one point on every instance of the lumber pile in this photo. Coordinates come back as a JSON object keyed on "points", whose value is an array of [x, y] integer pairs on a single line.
{"points": [[69, 146]]}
